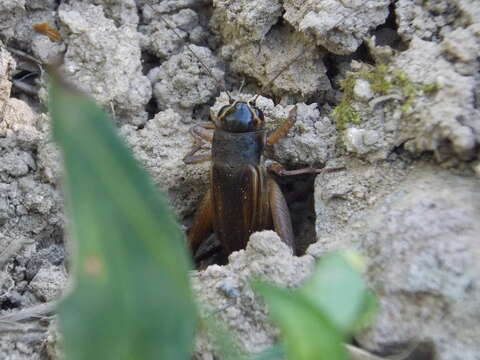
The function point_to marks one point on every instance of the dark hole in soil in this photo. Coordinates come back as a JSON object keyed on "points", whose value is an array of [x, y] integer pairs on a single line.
{"points": [[424, 351], [387, 33], [149, 61], [298, 191], [8, 303], [152, 110]]}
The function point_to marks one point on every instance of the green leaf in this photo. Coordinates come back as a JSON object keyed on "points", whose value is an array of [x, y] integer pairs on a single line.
{"points": [[367, 312], [132, 297], [276, 352], [338, 290], [308, 334]]}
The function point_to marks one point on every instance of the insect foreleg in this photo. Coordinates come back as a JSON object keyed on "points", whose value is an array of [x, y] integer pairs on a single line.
{"points": [[201, 132], [283, 129], [191, 158]]}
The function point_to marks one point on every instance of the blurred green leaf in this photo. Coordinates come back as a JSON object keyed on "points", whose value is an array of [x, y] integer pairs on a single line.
{"points": [[276, 352], [308, 334], [367, 312], [316, 318], [338, 290], [132, 298]]}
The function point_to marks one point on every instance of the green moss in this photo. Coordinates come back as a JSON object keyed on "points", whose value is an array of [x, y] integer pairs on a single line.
{"points": [[382, 82], [379, 79], [406, 87], [347, 84], [429, 89], [343, 114]]}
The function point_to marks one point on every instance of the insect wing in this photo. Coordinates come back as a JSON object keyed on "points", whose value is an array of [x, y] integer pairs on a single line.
{"points": [[240, 206]]}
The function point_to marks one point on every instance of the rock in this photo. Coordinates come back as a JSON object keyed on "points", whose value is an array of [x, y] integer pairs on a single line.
{"points": [[30, 209], [463, 45], [163, 41], [238, 20], [48, 283], [123, 12], [105, 61], [10, 12], [445, 123], [225, 291], [285, 63], [338, 27], [182, 82], [426, 21], [420, 242], [161, 146], [17, 163], [361, 141], [47, 51], [7, 66], [362, 90], [49, 161], [282, 60], [25, 35], [19, 126]]}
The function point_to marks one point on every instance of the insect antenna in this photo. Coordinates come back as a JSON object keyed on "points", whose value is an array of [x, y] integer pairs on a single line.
{"points": [[171, 27]]}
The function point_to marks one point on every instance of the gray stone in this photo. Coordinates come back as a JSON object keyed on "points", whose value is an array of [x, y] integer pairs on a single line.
{"points": [[360, 141], [463, 45], [122, 12], [10, 12], [163, 41], [105, 61], [182, 82], [363, 90], [445, 123], [420, 239], [334, 24], [161, 146], [238, 20], [49, 283]]}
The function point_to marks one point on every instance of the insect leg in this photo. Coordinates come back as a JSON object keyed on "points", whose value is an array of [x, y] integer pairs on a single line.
{"points": [[278, 169], [200, 132], [191, 158], [282, 222], [202, 225], [283, 129], [201, 135]]}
